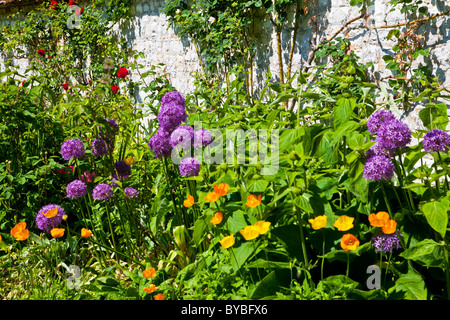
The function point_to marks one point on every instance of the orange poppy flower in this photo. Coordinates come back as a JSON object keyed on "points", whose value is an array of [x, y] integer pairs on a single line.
{"points": [[262, 226], [227, 242], [189, 201], [349, 242], [389, 227], [221, 189], [249, 232], [20, 231], [379, 219], [212, 197], [159, 296], [253, 201], [149, 273], [344, 223], [57, 232], [129, 160], [217, 218], [85, 233], [51, 213], [318, 222], [151, 288]]}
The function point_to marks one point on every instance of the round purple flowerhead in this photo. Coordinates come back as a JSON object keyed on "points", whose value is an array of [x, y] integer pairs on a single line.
{"points": [[386, 242], [393, 135], [102, 191], [378, 168], [99, 147], [377, 119], [159, 144], [46, 219], [436, 140], [182, 137], [72, 148], [202, 137], [76, 189], [173, 96], [377, 150], [123, 170], [131, 193], [189, 167], [171, 115]]}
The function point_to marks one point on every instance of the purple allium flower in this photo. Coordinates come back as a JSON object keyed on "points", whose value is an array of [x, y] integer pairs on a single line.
{"points": [[377, 150], [72, 148], [393, 135], [378, 168], [171, 115], [99, 148], [112, 129], [159, 144], [123, 170], [377, 119], [202, 137], [76, 189], [47, 224], [386, 242], [436, 140], [189, 167], [173, 96], [104, 143], [131, 193], [102, 191], [182, 137]]}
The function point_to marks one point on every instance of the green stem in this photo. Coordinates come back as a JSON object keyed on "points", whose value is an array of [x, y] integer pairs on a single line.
{"points": [[386, 199]]}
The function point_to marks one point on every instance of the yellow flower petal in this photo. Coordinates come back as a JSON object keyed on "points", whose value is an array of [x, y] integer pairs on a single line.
{"points": [[318, 222], [262, 226], [249, 232], [344, 223], [227, 241]]}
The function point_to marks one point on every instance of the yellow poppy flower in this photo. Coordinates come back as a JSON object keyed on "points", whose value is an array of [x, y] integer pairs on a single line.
{"points": [[262, 226], [57, 232], [389, 227], [227, 242], [344, 223], [221, 189], [349, 242], [217, 218], [189, 201], [379, 219], [318, 222], [249, 232], [85, 233], [149, 273], [212, 197], [20, 231], [253, 201]]}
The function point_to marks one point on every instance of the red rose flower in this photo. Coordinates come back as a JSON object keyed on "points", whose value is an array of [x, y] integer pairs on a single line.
{"points": [[41, 52], [53, 4], [71, 2], [65, 86], [115, 88], [122, 73]]}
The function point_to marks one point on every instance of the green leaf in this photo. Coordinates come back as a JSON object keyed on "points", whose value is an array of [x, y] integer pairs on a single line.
{"points": [[289, 236], [242, 253], [411, 286], [436, 215], [428, 253], [343, 111], [258, 185], [271, 283], [236, 221]]}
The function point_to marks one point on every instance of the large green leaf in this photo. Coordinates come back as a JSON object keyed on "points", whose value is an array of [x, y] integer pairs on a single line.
{"points": [[428, 253], [289, 236], [411, 286], [236, 221], [343, 111], [436, 214], [271, 283], [242, 253]]}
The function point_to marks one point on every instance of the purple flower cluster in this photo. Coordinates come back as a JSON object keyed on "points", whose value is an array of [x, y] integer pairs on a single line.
{"points": [[202, 137], [104, 143], [436, 140], [173, 96], [159, 143], [102, 191], [189, 167], [72, 148], [131, 193], [47, 224], [378, 168], [171, 115], [76, 189], [386, 242], [377, 119], [123, 170], [182, 137]]}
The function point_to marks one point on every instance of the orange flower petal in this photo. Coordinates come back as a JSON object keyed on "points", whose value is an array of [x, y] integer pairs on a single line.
{"points": [[51, 213], [221, 189], [20, 232], [189, 201], [57, 232], [390, 227], [253, 201], [217, 218], [349, 242], [149, 273], [379, 219], [159, 296], [85, 233], [212, 197]]}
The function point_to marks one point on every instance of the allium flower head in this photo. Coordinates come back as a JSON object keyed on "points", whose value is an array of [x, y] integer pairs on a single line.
{"points": [[99, 147], [76, 189], [159, 144], [386, 242], [72, 148], [173, 97], [378, 168], [393, 135], [202, 137], [102, 191], [182, 137], [171, 115], [377, 150], [123, 169], [131, 193], [377, 119], [47, 223], [436, 140], [189, 167]]}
